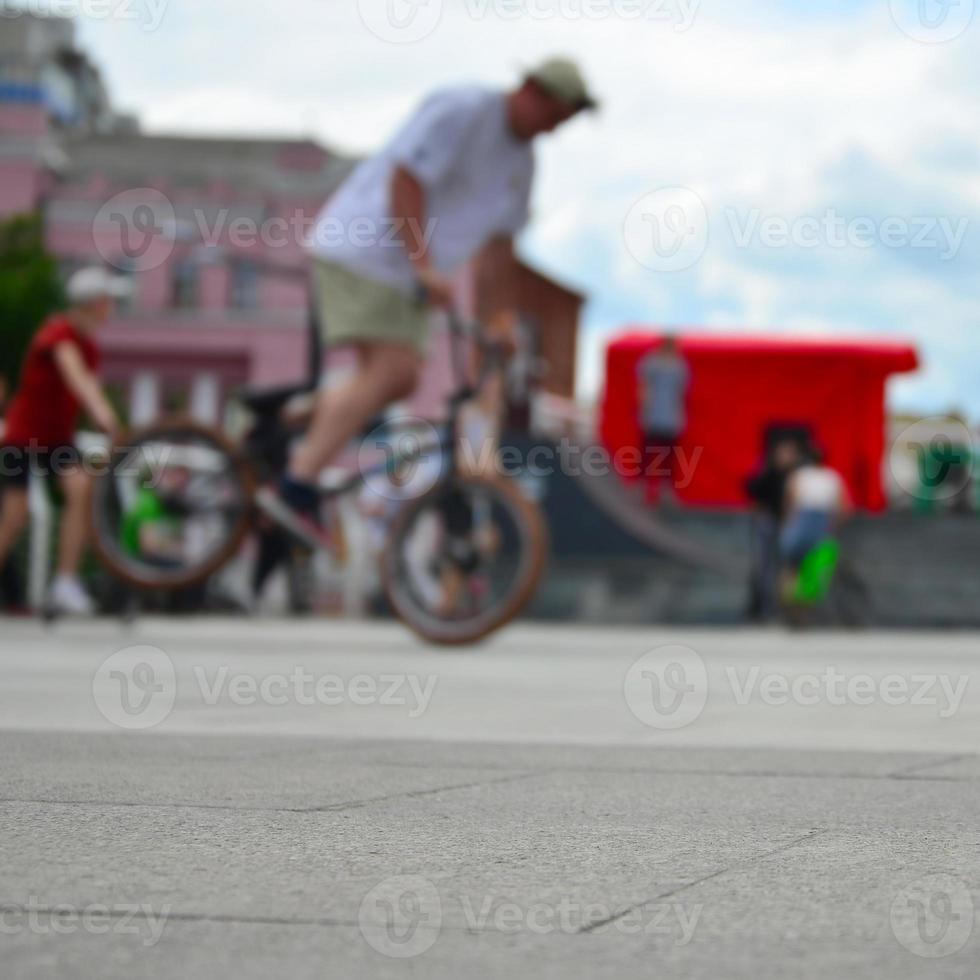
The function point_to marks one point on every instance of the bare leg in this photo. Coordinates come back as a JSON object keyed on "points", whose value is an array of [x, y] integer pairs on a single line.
{"points": [[387, 373], [452, 581], [14, 515], [76, 486], [482, 422]]}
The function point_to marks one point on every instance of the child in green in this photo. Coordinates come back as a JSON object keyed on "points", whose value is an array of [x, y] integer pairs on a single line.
{"points": [[151, 529]]}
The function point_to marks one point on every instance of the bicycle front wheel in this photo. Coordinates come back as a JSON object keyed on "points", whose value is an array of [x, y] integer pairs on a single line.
{"points": [[172, 506], [464, 559]]}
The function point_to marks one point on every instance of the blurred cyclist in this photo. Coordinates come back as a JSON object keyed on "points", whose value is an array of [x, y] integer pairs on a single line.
{"points": [[58, 380], [455, 178]]}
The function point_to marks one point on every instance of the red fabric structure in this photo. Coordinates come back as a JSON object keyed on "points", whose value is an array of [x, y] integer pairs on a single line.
{"points": [[740, 386]]}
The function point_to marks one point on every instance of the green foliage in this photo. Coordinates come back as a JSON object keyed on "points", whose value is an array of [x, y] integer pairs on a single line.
{"points": [[30, 288]]}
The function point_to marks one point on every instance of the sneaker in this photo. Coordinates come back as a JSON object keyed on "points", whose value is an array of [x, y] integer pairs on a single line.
{"points": [[68, 598], [303, 527]]}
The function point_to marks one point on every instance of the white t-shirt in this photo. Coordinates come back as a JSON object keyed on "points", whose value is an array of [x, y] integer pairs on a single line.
{"points": [[477, 176], [817, 488]]}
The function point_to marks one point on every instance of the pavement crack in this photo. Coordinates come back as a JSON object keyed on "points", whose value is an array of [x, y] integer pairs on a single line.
{"points": [[914, 773], [691, 771], [326, 808], [911, 772], [418, 793], [608, 920]]}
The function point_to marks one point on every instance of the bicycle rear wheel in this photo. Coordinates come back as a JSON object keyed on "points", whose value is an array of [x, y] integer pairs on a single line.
{"points": [[172, 507], [464, 559]]}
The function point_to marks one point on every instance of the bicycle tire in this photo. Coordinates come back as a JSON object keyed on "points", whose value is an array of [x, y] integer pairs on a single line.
{"points": [[108, 553], [534, 553]]}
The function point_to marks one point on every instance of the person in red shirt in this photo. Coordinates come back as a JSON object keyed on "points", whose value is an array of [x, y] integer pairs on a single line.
{"points": [[59, 379], [11, 585]]}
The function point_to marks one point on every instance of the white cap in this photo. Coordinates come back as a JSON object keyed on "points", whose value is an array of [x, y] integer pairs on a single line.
{"points": [[95, 283]]}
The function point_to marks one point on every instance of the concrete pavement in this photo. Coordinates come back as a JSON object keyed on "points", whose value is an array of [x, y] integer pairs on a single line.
{"points": [[336, 800]]}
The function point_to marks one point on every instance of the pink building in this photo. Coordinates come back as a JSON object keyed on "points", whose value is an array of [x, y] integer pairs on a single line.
{"points": [[211, 231]]}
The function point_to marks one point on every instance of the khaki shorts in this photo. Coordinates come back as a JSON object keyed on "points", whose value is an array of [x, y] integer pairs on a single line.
{"points": [[353, 309]]}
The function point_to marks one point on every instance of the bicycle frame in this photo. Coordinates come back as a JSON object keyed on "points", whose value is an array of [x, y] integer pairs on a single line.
{"points": [[447, 443]]}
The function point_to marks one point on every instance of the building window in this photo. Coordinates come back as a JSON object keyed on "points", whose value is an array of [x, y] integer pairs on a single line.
{"points": [[244, 285], [186, 284], [175, 398]]}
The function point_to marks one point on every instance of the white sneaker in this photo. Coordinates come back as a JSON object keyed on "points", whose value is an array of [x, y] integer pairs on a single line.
{"points": [[68, 598]]}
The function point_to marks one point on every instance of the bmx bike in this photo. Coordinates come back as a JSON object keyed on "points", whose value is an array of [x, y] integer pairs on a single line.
{"points": [[464, 553]]}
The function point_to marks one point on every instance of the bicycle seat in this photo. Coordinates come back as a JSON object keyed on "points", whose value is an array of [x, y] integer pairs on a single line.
{"points": [[269, 401]]}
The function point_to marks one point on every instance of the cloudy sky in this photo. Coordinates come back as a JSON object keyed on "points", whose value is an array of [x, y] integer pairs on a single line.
{"points": [[788, 167]]}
